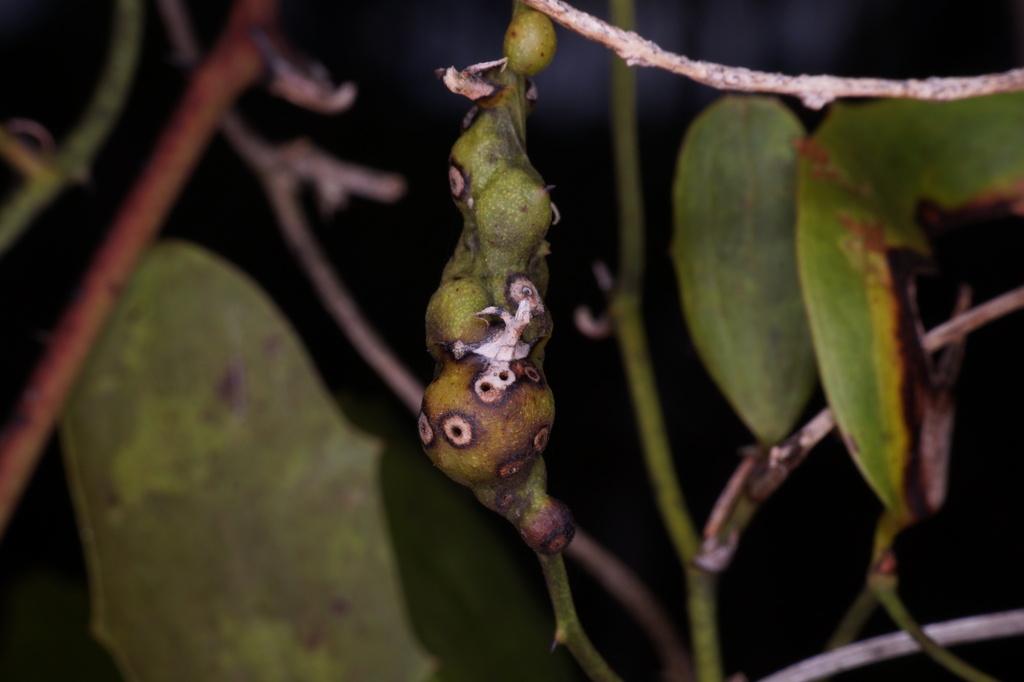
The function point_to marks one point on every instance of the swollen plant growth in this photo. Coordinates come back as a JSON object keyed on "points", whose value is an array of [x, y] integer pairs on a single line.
{"points": [[488, 413]]}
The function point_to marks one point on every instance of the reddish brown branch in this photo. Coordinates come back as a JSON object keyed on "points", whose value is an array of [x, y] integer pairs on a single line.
{"points": [[233, 65]]}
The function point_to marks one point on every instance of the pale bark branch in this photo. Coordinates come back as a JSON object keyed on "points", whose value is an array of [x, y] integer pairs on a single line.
{"points": [[814, 91], [949, 633]]}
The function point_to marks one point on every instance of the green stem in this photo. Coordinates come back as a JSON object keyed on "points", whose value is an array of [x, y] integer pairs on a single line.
{"points": [[71, 164], [628, 323], [626, 305], [702, 610], [884, 583], [862, 608], [568, 630]]}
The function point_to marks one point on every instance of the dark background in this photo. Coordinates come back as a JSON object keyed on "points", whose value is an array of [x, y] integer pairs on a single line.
{"points": [[805, 556]]}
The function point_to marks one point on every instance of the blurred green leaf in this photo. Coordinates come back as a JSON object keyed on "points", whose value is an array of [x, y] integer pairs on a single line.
{"points": [[231, 517], [44, 634], [870, 180], [734, 251], [463, 570]]}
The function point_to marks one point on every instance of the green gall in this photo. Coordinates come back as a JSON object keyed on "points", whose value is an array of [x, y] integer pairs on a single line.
{"points": [[487, 416], [484, 423], [451, 314], [530, 42]]}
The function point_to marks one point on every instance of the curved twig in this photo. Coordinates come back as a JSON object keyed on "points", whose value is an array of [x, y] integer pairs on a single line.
{"points": [[45, 179], [623, 584], [764, 478], [282, 183], [885, 647], [814, 91], [568, 631], [788, 454]]}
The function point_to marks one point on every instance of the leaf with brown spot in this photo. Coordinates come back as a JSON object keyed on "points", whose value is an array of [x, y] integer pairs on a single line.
{"points": [[873, 172], [232, 516]]}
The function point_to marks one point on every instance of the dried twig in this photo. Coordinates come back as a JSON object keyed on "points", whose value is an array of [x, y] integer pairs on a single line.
{"points": [[949, 633], [765, 478], [282, 180], [814, 91]]}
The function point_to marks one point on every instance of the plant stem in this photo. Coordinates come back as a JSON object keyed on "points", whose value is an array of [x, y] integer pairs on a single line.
{"points": [[634, 596], [814, 91], [626, 306], [884, 582], [628, 323], [568, 630], [889, 598], [862, 608], [71, 164], [702, 608]]}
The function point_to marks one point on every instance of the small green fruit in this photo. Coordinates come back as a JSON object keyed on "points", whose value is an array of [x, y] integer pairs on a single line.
{"points": [[530, 42]]}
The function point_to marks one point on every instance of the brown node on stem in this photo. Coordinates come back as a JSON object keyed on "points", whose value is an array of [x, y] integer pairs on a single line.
{"points": [[550, 529]]}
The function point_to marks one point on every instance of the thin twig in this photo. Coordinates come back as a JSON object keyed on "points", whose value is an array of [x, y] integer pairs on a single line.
{"points": [[787, 455], [854, 620], [623, 584], [885, 647], [282, 170], [281, 182], [764, 480], [627, 319], [978, 316], [46, 178], [883, 581], [726, 502], [28, 162], [233, 65], [814, 91], [568, 631]]}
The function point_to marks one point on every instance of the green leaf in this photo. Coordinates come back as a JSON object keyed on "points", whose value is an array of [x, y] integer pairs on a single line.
{"points": [[231, 517], [735, 256], [869, 178], [464, 576]]}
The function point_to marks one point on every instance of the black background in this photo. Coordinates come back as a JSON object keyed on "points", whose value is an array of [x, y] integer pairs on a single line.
{"points": [[804, 558]]}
